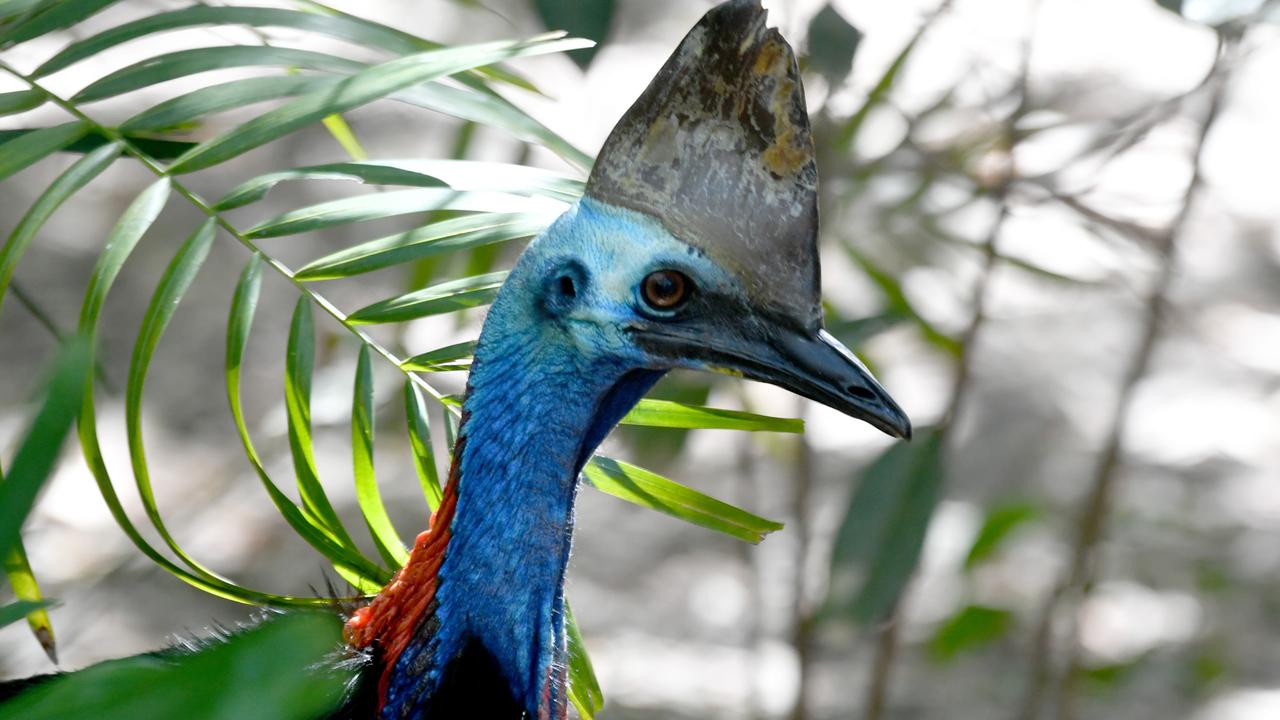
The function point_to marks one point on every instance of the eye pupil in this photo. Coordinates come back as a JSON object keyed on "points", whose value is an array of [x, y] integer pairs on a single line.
{"points": [[665, 289], [567, 288]]}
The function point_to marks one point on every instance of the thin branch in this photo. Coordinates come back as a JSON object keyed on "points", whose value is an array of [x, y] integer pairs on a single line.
{"points": [[1091, 520], [46, 321], [998, 187], [1084, 562], [802, 630]]}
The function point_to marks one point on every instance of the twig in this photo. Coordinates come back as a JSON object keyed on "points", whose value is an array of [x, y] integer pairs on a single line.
{"points": [[1090, 524], [46, 321], [1084, 563], [998, 189], [802, 629]]}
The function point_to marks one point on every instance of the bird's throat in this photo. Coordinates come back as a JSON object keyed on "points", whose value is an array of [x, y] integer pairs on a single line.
{"points": [[488, 578]]}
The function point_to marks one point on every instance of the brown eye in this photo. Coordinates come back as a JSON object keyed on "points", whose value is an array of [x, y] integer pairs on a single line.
{"points": [[665, 289]]}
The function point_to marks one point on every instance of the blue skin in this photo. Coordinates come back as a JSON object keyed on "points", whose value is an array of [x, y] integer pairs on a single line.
{"points": [[554, 371]]}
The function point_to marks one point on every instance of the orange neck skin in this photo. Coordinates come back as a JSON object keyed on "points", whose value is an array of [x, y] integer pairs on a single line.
{"points": [[391, 620]]}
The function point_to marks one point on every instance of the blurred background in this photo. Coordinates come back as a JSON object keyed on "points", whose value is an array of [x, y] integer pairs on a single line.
{"points": [[1050, 226]]}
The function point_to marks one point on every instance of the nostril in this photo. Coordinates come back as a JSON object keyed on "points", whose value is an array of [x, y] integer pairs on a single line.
{"points": [[567, 288], [860, 392]]}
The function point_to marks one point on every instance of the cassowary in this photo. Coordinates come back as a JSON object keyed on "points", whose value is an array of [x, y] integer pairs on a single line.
{"points": [[694, 247]]}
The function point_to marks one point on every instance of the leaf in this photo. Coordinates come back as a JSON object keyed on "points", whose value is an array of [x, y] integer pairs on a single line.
{"points": [[832, 45], [118, 247], [35, 459], [461, 233], [55, 16], [33, 146], [124, 237], [378, 206], [41, 443], [359, 89], [15, 611], [848, 134], [154, 148], [346, 137], [189, 107], [899, 302], [496, 72], [492, 110], [668, 414], [971, 627], [424, 459], [23, 580], [442, 359], [10, 9], [66, 185], [650, 490], [347, 562], [354, 30], [999, 525], [580, 18], [883, 531], [135, 221], [389, 544], [182, 63], [852, 333], [584, 688], [440, 298], [376, 173], [173, 284], [21, 101], [278, 670], [496, 177], [298, 367]]}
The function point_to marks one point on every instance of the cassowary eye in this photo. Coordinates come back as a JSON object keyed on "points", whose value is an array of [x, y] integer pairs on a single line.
{"points": [[665, 289]]}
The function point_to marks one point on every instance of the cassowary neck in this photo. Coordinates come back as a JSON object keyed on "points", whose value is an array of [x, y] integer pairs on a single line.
{"points": [[536, 407]]}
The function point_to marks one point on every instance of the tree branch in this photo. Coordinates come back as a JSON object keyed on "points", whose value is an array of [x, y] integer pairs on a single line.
{"points": [[1082, 571]]}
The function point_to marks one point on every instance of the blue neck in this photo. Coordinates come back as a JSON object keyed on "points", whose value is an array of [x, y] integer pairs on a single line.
{"points": [[536, 408]]}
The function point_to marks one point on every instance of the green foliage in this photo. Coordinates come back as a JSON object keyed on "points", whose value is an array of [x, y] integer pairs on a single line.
{"points": [[970, 627], [32, 464], [832, 45], [647, 489], [581, 18], [31, 601], [999, 524], [15, 611], [19, 152], [277, 670], [584, 688], [38, 451], [879, 542]]}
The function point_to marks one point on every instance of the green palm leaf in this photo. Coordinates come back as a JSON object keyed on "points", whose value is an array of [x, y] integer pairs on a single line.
{"points": [[20, 152], [182, 63], [244, 302], [390, 546], [361, 88], [463, 233], [52, 16], [649, 489], [21, 101], [441, 298]]}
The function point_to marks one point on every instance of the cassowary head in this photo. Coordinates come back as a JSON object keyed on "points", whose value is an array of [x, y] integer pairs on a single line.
{"points": [[696, 243]]}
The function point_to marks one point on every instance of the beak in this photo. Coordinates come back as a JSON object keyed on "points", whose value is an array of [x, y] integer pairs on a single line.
{"points": [[812, 364]]}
